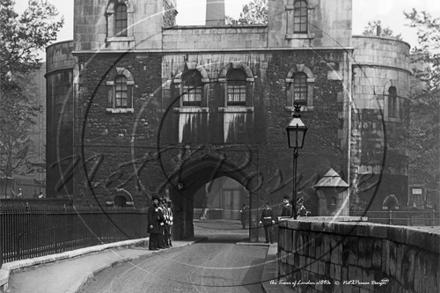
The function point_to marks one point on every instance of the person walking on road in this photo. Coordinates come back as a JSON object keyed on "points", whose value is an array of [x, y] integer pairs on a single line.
{"points": [[267, 219], [244, 213], [154, 228]]}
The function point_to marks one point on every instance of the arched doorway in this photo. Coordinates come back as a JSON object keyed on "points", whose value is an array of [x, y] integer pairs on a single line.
{"points": [[184, 190]]}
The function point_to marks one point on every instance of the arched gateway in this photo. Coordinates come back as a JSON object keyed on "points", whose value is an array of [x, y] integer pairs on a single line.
{"points": [[201, 168]]}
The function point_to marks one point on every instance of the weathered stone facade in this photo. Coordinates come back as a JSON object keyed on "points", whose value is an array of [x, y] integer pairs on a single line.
{"points": [[157, 144], [358, 257], [378, 156]]}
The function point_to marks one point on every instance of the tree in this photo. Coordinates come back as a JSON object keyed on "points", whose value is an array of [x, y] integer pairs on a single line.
{"points": [[21, 39], [253, 13], [375, 28], [424, 141]]}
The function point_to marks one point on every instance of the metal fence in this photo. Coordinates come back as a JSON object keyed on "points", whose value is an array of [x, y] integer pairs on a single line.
{"points": [[29, 231], [405, 218]]}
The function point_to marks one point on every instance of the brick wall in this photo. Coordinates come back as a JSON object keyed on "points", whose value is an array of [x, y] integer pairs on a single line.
{"points": [[358, 254]]}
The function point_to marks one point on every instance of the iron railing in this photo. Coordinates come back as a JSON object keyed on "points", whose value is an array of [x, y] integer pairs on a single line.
{"points": [[28, 231], [404, 218]]}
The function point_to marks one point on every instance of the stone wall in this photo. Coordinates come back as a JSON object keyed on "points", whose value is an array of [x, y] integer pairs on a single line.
{"points": [[351, 256], [379, 163]]}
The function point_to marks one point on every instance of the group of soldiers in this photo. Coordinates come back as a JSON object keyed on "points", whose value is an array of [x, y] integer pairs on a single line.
{"points": [[160, 220]]}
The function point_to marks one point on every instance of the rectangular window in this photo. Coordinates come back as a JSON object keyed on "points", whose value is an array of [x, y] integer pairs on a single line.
{"points": [[192, 96], [121, 96], [300, 89], [121, 21], [300, 17], [236, 93]]}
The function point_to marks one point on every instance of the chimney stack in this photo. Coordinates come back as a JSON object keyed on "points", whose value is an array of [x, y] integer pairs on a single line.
{"points": [[378, 31], [215, 12]]}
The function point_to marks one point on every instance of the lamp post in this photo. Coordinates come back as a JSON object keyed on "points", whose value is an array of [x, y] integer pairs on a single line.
{"points": [[296, 132]]}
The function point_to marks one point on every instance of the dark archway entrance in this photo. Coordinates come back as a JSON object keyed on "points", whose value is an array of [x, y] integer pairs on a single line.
{"points": [[184, 186]]}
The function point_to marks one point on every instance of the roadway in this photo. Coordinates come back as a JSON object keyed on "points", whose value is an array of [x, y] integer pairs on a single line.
{"points": [[217, 264]]}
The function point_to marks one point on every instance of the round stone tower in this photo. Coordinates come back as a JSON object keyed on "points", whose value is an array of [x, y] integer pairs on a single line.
{"points": [[380, 89]]}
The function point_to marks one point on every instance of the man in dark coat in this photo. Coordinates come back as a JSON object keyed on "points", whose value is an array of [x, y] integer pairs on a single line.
{"points": [[267, 219], [154, 220], [287, 208]]}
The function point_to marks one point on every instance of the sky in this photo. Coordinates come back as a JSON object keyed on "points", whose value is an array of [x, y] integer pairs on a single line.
{"points": [[192, 12]]}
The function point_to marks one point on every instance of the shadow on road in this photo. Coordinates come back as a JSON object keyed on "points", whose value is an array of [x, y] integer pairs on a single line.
{"points": [[220, 231]]}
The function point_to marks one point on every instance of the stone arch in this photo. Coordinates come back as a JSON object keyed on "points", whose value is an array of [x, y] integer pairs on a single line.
{"points": [[210, 162], [112, 3], [184, 183], [390, 199], [237, 65], [300, 68], [120, 71], [191, 66]]}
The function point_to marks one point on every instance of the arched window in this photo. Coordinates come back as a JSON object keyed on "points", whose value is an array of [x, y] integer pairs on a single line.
{"points": [[300, 88], [121, 96], [392, 102], [192, 88], [121, 20], [120, 86], [236, 87], [300, 17]]}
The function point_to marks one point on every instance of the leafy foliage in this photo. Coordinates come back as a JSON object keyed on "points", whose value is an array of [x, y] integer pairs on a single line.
{"points": [[373, 27], [424, 140], [22, 36], [253, 13], [21, 39]]}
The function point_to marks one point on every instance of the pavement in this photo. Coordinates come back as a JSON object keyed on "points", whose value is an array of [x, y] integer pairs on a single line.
{"points": [[70, 271]]}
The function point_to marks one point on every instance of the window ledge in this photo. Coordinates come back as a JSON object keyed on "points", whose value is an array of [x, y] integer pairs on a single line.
{"points": [[300, 36], [119, 110], [236, 109], [191, 110], [303, 109], [120, 39], [392, 119]]}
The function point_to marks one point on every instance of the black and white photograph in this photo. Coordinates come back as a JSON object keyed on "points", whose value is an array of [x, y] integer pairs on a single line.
{"points": [[242, 146]]}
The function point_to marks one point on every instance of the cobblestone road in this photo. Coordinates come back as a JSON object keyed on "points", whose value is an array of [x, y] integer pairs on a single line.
{"points": [[214, 265]]}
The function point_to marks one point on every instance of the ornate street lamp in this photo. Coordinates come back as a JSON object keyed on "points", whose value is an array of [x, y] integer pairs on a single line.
{"points": [[296, 133]]}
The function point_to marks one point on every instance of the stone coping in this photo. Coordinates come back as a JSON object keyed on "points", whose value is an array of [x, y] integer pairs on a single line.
{"points": [[424, 239]]}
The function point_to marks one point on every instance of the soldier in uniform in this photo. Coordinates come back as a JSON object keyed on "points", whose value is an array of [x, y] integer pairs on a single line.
{"points": [[154, 220], [267, 219], [169, 223]]}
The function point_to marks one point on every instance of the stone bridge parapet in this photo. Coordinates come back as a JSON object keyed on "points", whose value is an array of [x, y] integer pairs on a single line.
{"points": [[317, 255]]}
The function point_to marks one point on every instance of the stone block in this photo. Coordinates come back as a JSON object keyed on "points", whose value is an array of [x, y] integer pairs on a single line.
{"points": [[347, 288], [312, 246], [321, 267], [392, 259], [365, 252], [326, 248], [386, 256], [288, 240], [376, 260], [336, 254]]}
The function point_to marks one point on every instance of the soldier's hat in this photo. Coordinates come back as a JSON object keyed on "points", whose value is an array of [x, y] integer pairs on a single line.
{"points": [[155, 197]]}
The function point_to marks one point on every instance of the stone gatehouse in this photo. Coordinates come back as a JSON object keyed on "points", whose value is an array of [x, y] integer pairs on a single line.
{"points": [[150, 107]]}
